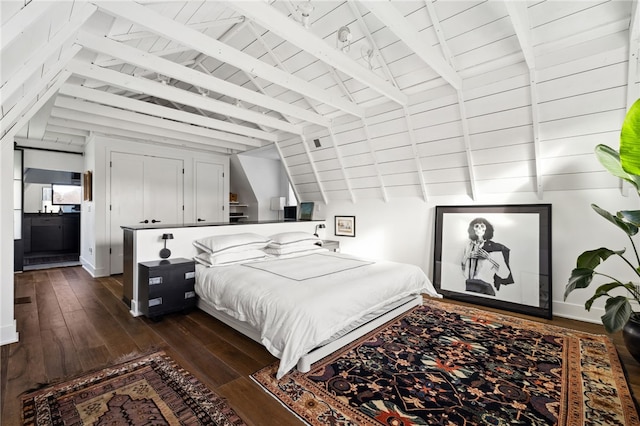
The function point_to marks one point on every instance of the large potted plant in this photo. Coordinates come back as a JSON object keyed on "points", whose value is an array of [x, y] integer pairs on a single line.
{"points": [[619, 312]]}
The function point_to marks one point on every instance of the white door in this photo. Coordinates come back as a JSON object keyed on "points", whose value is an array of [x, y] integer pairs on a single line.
{"points": [[127, 201], [163, 201], [143, 190], [209, 192]]}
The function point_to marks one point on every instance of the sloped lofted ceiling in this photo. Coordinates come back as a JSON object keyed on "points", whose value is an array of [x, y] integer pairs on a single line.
{"points": [[360, 98]]}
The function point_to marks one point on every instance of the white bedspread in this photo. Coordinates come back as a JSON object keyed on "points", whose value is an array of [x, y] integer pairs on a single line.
{"points": [[294, 316]]}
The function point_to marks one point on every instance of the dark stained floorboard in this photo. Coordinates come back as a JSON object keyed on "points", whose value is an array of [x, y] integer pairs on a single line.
{"points": [[70, 323]]}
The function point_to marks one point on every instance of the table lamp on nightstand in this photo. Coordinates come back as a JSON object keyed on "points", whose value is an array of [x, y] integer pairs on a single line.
{"points": [[165, 252], [319, 226]]}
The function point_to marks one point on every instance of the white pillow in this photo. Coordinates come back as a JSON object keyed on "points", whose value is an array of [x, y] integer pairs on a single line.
{"points": [[231, 243], [279, 251], [230, 258], [284, 238]]}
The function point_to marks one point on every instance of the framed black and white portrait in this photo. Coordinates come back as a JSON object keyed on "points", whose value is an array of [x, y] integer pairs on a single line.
{"points": [[495, 255]]}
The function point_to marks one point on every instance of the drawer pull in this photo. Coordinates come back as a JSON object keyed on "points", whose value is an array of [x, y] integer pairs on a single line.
{"points": [[155, 280], [189, 275], [189, 294], [155, 302]]}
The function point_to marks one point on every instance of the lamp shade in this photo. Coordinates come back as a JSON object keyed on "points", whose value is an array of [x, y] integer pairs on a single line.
{"points": [[277, 203], [167, 236]]}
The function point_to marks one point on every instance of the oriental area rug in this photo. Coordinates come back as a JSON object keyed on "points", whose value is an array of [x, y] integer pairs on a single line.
{"points": [[151, 390], [453, 365]]}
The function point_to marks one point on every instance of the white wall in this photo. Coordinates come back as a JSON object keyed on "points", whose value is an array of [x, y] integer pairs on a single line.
{"points": [[8, 330], [266, 179], [403, 230]]}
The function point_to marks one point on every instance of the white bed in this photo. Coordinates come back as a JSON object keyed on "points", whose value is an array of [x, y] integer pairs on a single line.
{"points": [[303, 307]]}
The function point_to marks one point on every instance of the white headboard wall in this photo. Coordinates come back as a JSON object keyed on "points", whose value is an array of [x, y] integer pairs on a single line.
{"points": [[148, 242]]}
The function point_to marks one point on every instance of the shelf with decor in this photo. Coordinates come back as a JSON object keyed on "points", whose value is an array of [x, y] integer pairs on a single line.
{"points": [[237, 212]]}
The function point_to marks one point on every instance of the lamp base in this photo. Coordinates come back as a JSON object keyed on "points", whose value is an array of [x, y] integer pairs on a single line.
{"points": [[165, 253]]}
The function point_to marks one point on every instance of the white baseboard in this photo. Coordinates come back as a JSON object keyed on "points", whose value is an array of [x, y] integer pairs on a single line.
{"points": [[9, 334]]}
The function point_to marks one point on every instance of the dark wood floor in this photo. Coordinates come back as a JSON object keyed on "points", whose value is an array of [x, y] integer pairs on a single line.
{"points": [[70, 323]]}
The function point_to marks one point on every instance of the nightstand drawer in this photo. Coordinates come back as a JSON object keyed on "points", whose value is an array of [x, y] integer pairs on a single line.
{"points": [[331, 245]]}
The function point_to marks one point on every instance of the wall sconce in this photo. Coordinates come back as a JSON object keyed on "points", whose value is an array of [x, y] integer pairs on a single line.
{"points": [[344, 37], [165, 252], [319, 226], [277, 204]]}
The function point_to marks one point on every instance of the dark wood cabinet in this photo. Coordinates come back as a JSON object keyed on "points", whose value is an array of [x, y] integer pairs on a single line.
{"points": [[166, 286], [43, 233]]}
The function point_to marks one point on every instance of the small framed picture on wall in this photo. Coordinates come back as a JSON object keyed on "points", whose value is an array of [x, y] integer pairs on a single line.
{"points": [[345, 226]]}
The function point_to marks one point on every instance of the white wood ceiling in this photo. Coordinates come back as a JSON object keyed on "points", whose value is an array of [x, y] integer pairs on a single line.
{"points": [[427, 97]]}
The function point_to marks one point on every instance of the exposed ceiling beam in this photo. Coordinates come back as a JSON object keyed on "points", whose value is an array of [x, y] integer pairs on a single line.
{"points": [[314, 169], [347, 181], [198, 27], [376, 165], [36, 60], [291, 31], [372, 42], [416, 155], [188, 75], [27, 111], [137, 134], [21, 21], [167, 92], [157, 126], [387, 13], [168, 28], [123, 102], [467, 144], [8, 90], [520, 20]]}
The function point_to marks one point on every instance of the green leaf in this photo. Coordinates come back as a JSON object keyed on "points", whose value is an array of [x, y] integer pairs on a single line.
{"points": [[580, 278], [631, 216], [603, 290], [617, 313], [630, 140], [592, 258], [629, 228], [610, 159]]}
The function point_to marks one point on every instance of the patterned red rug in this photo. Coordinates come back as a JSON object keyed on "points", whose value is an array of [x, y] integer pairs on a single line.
{"points": [[453, 365], [151, 390]]}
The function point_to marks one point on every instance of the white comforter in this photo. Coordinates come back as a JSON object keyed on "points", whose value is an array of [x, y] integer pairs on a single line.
{"points": [[295, 310]]}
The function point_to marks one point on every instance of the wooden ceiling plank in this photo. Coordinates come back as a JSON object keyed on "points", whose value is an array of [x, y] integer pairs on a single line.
{"points": [[166, 27], [163, 91], [171, 69], [401, 27], [110, 99], [21, 21], [223, 139], [11, 83], [291, 31], [9, 128]]}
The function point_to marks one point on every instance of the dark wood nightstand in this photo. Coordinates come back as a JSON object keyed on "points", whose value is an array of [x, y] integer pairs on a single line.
{"points": [[166, 286], [331, 245]]}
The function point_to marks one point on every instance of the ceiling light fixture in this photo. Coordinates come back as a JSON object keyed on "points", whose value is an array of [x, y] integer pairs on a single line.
{"points": [[305, 13], [344, 37]]}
